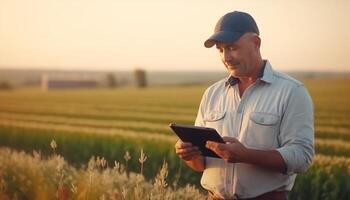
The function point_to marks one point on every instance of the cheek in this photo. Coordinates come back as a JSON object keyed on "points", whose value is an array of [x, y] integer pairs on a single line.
{"points": [[247, 56], [221, 56], [239, 57]]}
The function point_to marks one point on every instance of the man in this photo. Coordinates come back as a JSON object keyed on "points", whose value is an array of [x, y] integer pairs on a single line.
{"points": [[265, 118]]}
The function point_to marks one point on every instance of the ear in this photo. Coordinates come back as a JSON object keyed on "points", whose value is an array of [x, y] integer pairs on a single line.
{"points": [[257, 41]]}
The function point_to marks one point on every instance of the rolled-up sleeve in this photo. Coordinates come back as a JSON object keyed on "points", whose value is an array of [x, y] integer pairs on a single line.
{"points": [[296, 136]]}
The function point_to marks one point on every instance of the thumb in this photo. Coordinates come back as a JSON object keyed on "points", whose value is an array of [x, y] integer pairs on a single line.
{"points": [[229, 139], [215, 146]]}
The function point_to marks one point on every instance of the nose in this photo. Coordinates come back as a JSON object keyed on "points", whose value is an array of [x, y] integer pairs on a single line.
{"points": [[227, 55]]}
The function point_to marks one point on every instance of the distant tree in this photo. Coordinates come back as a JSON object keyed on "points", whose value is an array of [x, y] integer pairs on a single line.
{"points": [[111, 80], [4, 85], [140, 77]]}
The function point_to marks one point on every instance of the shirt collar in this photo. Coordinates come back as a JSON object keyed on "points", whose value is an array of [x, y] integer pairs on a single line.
{"points": [[266, 75]]}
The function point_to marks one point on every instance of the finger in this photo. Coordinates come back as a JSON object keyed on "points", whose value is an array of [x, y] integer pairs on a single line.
{"points": [[229, 139], [186, 150], [186, 144], [181, 144], [192, 153], [215, 146], [212, 145], [220, 149], [190, 156]]}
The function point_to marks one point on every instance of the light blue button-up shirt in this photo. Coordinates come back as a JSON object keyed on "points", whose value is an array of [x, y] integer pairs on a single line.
{"points": [[275, 112]]}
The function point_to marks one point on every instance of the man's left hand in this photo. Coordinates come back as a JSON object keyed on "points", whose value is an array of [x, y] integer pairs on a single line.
{"points": [[232, 150]]}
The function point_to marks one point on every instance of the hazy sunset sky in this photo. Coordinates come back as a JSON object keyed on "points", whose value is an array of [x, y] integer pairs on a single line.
{"points": [[167, 34]]}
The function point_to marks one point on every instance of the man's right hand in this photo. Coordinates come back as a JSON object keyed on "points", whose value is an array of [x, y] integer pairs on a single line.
{"points": [[186, 151]]}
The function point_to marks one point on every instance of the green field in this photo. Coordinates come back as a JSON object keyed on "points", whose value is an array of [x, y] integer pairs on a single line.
{"points": [[107, 123]]}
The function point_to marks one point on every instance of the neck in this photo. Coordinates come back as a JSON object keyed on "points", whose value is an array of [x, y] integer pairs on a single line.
{"points": [[250, 79]]}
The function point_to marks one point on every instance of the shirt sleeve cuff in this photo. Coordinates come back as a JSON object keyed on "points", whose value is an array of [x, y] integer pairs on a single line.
{"points": [[287, 157]]}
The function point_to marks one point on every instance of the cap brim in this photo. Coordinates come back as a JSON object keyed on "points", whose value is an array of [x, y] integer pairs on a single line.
{"points": [[222, 36]]}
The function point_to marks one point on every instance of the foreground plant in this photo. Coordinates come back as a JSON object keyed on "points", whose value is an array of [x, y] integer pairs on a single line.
{"points": [[30, 176]]}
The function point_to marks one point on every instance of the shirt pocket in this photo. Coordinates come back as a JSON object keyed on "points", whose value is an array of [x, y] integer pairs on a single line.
{"points": [[262, 130], [215, 119]]}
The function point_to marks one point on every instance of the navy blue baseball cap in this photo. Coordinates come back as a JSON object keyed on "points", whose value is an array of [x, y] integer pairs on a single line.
{"points": [[231, 27]]}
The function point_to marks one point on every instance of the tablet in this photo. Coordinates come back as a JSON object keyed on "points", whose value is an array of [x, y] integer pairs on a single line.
{"points": [[198, 136]]}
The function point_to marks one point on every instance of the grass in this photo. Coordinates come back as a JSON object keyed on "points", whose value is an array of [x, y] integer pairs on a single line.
{"points": [[107, 123], [30, 176], [78, 148]]}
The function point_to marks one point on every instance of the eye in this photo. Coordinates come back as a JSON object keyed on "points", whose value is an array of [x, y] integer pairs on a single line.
{"points": [[232, 48], [220, 50]]}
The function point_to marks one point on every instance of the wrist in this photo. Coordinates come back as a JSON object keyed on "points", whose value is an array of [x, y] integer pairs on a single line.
{"points": [[197, 163], [247, 155]]}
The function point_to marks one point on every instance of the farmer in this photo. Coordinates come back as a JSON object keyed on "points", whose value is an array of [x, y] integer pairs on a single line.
{"points": [[264, 116]]}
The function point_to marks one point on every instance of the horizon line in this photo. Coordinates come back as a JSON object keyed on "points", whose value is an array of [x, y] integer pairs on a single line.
{"points": [[157, 70]]}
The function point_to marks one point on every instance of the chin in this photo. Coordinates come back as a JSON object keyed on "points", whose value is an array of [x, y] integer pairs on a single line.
{"points": [[237, 74], [232, 70], [233, 73]]}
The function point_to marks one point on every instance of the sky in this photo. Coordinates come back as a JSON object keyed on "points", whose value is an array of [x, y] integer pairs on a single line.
{"points": [[168, 35]]}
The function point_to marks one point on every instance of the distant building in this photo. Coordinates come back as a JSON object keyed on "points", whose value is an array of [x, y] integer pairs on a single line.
{"points": [[48, 83], [140, 78]]}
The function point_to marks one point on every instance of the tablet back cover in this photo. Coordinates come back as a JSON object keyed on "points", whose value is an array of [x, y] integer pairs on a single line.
{"points": [[198, 136]]}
